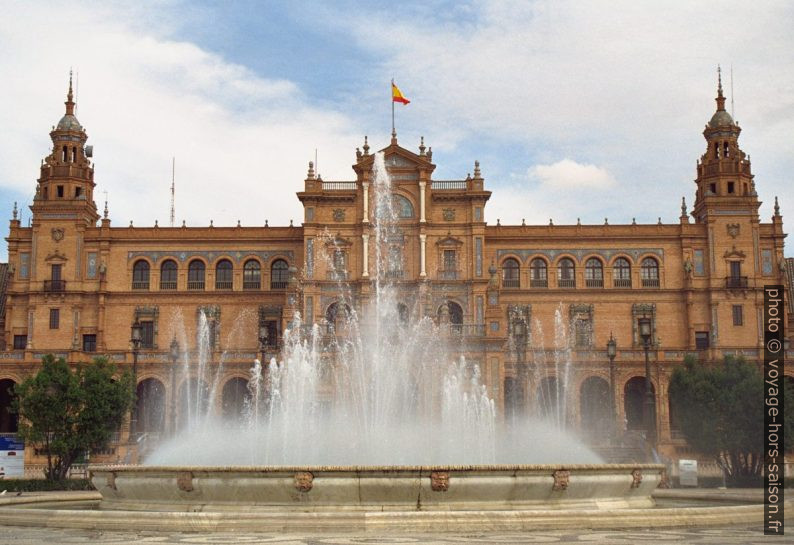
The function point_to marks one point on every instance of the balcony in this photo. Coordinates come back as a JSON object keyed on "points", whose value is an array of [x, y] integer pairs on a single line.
{"points": [[511, 283], [539, 283], [395, 274], [336, 276], [594, 282], [339, 186], [622, 282], [54, 286], [566, 283], [140, 285], [167, 284], [650, 282], [448, 274], [736, 282], [449, 185], [467, 330], [278, 284], [252, 285], [223, 284], [195, 284]]}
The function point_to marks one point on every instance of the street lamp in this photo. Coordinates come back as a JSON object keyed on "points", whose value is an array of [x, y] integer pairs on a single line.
{"points": [[520, 337], [173, 355], [135, 340], [645, 332], [263, 339], [612, 351]]}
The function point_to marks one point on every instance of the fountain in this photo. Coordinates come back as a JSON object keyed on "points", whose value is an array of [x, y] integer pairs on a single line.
{"points": [[371, 412]]}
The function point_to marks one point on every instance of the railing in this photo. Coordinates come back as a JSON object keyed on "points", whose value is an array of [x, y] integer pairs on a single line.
{"points": [[278, 284], [337, 275], [167, 285], [140, 285], [195, 284], [511, 283], [622, 282], [339, 186], [468, 330], [394, 274], [734, 282], [447, 274], [447, 185], [539, 283], [54, 286], [650, 282], [252, 285], [223, 284], [566, 282], [594, 282]]}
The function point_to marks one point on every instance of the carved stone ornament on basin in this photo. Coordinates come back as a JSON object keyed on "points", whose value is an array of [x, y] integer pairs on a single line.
{"points": [[384, 488]]}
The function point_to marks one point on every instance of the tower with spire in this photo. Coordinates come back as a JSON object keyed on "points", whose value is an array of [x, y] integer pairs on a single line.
{"points": [[65, 186]]}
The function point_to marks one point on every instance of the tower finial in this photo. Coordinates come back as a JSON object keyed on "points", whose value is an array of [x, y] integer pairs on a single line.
{"points": [[16, 212], [683, 206], [777, 206], [70, 96], [477, 173], [720, 97], [106, 205]]}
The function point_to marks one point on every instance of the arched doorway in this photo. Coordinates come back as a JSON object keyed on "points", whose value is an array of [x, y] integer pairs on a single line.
{"points": [[194, 401], [633, 401], [150, 406], [551, 400], [8, 420], [234, 399], [595, 410]]}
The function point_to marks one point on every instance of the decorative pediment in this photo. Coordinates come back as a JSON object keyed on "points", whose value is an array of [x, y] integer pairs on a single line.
{"points": [[339, 242], [733, 252], [56, 256], [449, 240]]}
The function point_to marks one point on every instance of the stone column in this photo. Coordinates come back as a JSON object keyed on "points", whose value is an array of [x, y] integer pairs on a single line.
{"points": [[422, 186], [422, 243], [365, 185], [365, 253]]}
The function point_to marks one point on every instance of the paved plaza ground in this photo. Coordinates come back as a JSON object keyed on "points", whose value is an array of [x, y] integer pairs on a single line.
{"points": [[710, 536]]}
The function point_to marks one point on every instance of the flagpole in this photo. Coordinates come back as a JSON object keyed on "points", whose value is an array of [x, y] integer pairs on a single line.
{"points": [[391, 93]]}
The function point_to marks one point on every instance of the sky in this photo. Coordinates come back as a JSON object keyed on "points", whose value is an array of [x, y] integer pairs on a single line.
{"points": [[574, 109]]}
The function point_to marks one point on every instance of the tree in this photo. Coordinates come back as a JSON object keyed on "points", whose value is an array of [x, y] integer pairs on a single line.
{"points": [[68, 413], [720, 410]]}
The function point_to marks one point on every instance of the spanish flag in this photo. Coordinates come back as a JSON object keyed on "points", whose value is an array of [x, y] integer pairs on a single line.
{"points": [[396, 94]]}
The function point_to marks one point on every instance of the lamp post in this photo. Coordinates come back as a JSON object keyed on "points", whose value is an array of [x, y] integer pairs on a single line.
{"points": [[612, 351], [520, 336], [135, 341], [263, 340], [648, 406], [173, 355]]}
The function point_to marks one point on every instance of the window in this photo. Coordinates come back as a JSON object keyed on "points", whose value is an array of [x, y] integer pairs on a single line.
{"points": [[449, 269], [566, 273], [147, 334], [402, 207], [538, 271], [89, 343], [223, 275], [55, 318], [700, 263], [77, 192], [594, 273], [195, 275], [60, 191], [766, 262], [168, 275], [701, 340], [24, 265], [140, 275], [621, 273], [394, 268], [736, 269], [55, 284], [279, 274], [55, 273], [511, 274], [583, 332], [649, 273], [713, 189], [738, 315], [20, 342], [252, 274], [731, 186], [338, 265]]}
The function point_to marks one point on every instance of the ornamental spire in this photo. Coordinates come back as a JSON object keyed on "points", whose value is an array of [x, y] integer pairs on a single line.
{"points": [[720, 98], [70, 97]]}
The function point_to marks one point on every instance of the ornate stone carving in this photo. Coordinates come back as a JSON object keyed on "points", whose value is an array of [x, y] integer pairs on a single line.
{"points": [[636, 475], [449, 214], [733, 230], [304, 481], [439, 481], [339, 214], [57, 234], [110, 480], [184, 480], [561, 477]]}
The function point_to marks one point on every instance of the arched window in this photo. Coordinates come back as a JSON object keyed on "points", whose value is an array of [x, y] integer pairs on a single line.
{"points": [[223, 275], [402, 207], [538, 273], [336, 317], [168, 275], [195, 275], [649, 272], [594, 273], [510, 273], [454, 316], [279, 275], [140, 275], [566, 273], [621, 271], [252, 275]]}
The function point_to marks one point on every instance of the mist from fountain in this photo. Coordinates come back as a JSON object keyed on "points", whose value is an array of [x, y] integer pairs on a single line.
{"points": [[375, 387]]}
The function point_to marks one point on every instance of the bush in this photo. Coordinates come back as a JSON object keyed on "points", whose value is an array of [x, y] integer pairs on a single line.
{"points": [[44, 485]]}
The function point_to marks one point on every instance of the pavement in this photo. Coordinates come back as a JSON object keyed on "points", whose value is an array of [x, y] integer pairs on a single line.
{"points": [[706, 536]]}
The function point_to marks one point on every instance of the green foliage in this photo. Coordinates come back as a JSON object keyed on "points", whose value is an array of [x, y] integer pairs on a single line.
{"points": [[68, 413], [719, 409], [42, 485]]}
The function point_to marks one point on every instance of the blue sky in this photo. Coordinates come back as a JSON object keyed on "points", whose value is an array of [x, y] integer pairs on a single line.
{"points": [[574, 110]]}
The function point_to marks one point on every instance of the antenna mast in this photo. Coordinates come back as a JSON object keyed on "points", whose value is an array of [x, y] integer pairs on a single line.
{"points": [[173, 169], [732, 113]]}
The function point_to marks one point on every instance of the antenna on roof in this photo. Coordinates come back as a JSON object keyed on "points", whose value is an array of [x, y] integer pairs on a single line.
{"points": [[76, 89], [316, 166], [733, 115], [173, 169]]}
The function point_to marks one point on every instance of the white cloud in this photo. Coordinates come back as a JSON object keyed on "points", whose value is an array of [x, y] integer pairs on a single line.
{"points": [[570, 174]]}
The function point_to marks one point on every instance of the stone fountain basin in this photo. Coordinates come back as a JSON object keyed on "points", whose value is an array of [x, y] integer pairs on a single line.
{"points": [[376, 488]]}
